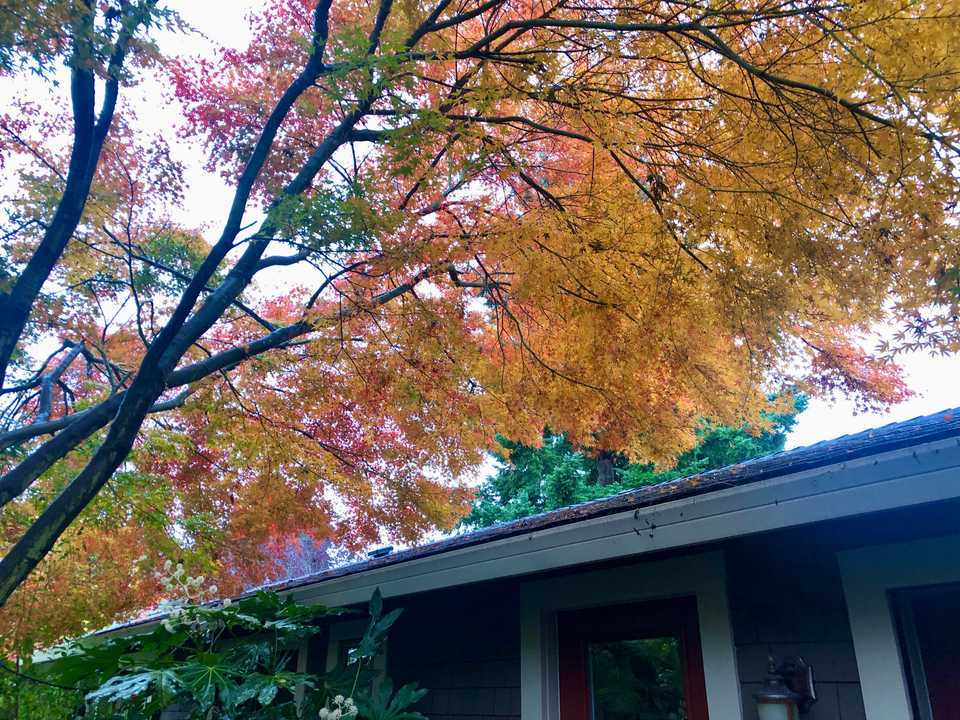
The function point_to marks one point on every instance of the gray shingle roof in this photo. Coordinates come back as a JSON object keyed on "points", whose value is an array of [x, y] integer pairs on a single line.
{"points": [[928, 428]]}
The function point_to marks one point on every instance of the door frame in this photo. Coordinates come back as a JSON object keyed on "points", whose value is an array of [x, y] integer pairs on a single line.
{"points": [[869, 574], [702, 576], [676, 617]]}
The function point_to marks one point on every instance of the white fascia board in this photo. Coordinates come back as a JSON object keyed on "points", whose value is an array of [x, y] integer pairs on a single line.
{"points": [[899, 478]]}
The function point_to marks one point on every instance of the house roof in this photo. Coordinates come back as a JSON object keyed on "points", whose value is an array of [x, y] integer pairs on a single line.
{"points": [[928, 428], [919, 431]]}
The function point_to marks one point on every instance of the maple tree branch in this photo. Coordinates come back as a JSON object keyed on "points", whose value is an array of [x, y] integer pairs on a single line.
{"points": [[14, 437], [457, 280], [15, 305], [489, 284], [366, 135], [463, 17], [522, 340], [549, 22], [212, 364], [249, 263], [47, 382], [875, 72], [230, 288], [855, 108], [33, 151], [149, 383], [75, 428], [520, 120], [71, 430], [282, 260], [426, 26], [178, 334], [234, 356], [709, 39], [127, 247], [172, 341], [656, 205], [330, 279], [89, 136], [538, 188], [37, 377], [159, 354], [382, 13]]}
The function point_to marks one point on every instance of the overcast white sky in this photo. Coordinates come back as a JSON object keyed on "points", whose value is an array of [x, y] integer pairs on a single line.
{"points": [[936, 380]]}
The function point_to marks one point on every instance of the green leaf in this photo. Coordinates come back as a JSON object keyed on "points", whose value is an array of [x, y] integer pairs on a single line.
{"points": [[267, 694], [205, 675], [225, 662], [370, 643], [146, 691], [387, 705], [376, 605], [121, 687]]}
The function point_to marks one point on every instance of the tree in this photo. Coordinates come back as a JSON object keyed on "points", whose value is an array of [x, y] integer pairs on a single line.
{"points": [[510, 214], [535, 479]]}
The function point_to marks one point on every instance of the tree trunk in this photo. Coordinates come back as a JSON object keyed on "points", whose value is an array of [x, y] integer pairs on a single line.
{"points": [[606, 474]]}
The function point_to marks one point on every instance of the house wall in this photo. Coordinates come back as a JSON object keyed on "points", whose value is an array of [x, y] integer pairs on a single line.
{"points": [[786, 598], [464, 646], [784, 592]]}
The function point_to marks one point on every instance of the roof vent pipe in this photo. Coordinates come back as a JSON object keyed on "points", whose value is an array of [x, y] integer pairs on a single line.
{"points": [[380, 552]]}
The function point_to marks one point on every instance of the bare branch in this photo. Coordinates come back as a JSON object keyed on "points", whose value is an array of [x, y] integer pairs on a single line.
{"points": [[48, 381]]}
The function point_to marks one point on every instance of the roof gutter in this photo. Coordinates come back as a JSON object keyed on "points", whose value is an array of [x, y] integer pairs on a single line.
{"points": [[908, 476]]}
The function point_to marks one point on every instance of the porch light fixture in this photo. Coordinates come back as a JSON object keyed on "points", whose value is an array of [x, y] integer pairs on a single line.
{"points": [[787, 691]]}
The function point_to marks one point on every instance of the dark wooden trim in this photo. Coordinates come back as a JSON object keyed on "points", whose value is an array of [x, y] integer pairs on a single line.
{"points": [[657, 618]]}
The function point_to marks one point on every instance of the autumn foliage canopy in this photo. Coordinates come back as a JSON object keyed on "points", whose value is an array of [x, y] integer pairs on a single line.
{"points": [[450, 218]]}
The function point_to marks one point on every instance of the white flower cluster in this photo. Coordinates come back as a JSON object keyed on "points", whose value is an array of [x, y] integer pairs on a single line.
{"points": [[185, 591], [174, 617], [174, 580], [342, 709]]}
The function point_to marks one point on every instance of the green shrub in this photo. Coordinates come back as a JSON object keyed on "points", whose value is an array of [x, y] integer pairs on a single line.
{"points": [[229, 660]]}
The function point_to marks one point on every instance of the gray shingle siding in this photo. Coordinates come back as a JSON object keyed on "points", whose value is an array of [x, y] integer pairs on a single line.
{"points": [[786, 597], [464, 646]]}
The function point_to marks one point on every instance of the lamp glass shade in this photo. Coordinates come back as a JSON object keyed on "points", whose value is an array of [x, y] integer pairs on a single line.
{"points": [[776, 710]]}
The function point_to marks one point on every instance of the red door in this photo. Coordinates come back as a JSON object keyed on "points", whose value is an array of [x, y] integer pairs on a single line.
{"points": [[930, 631], [632, 662]]}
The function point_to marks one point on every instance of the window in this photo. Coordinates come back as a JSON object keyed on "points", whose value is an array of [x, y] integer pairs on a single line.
{"points": [[346, 635], [632, 662], [700, 578], [328, 650], [928, 631], [872, 577]]}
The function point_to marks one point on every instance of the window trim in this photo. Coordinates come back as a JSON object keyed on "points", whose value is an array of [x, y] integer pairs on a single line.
{"points": [[336, 633], [341, 632], [869, 574], [301, 691], [702, 576], [674, 617], [909, 644]]}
